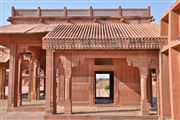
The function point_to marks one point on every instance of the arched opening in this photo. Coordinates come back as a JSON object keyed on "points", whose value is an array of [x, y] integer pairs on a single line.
{"points": [[42, 85], [4, 71], [25, 84]]}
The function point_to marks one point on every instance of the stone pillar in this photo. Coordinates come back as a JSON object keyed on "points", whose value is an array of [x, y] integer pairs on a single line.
{"points": [[30, 82], [149, 87], [91, 11], [164, 87], [38, 83], [2, 81], [20, 81], [68, 102], [50, 83], [174, 77], [158, 94], [144, 63], [12, 85], [44, 82], [144, 98], [58, 84], [92, 82], [67, 65], [34, 85]]}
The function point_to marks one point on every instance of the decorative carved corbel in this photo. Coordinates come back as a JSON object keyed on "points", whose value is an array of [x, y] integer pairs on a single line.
{"points": [[146, 62], [154, 63], [76, 61], [143, 72]]}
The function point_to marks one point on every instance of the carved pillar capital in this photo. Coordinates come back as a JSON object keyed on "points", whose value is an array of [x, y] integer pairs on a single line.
{"points": [[143, 72], [68, 72], [66, 62], [20, 58], [144, 64]]}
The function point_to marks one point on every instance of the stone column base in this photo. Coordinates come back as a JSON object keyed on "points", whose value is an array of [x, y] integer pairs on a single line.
{"points": [[67, 107], [2, 96], [33, 96], [145, 107]]}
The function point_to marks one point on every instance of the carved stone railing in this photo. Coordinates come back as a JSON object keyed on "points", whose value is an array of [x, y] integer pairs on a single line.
{"points": [[24, 12], [135, 12], [141, 12], [105, 12], [55, 12], [77, 12]]}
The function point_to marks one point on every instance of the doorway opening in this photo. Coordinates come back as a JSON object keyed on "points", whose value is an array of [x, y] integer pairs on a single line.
{"points": [[153, 89], [104, 87]]}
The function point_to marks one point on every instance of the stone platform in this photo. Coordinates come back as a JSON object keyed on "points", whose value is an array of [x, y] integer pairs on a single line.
{"points": [[97, 117], [102, 113], [35, 111]]}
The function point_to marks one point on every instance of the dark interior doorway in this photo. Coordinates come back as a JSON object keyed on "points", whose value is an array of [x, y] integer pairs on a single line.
{"points": [[104, 87]]}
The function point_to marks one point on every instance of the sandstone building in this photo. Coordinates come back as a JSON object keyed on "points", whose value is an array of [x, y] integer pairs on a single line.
{"points": [[64, 50]]}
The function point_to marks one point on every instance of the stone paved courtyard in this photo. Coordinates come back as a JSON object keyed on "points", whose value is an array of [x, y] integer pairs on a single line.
{"points": [[34, 111], [16, 115]]}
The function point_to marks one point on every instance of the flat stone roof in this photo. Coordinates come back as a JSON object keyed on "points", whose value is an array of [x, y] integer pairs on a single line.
{"points": [[26, 28]]}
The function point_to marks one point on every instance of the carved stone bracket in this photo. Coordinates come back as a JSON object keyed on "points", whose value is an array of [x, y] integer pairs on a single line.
{"points": [[67, 65], [76, 61], [143, 73], [143, 62], [73, 62]]}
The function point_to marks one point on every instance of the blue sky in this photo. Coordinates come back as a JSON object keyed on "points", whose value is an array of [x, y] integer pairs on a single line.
{"points": [[106, 76], [158, 7]]}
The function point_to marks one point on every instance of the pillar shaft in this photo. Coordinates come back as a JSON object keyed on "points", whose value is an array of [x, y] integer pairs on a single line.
{"points": [[144, 98], [67, 65], [174, 77], [20, 81], [68, 102], [34, 83], [2, 81], [164, 87], [50, 83], [58, 84], [38, 83], [12, 85], [44, 82], [30, 82]]}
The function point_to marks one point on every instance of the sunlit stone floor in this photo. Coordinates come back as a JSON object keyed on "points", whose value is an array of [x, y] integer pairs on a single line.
{"points": [[35, 111]]}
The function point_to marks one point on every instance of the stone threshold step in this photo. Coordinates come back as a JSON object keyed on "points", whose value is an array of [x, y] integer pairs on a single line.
{"points": [[98, 117]]}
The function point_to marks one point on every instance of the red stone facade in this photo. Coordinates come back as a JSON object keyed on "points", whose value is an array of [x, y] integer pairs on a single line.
{"points": [[127, 85], [170, 61], [66, 43]]}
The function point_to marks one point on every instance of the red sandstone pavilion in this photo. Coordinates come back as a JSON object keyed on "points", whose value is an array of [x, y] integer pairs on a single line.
{"points": [[69, 52]]}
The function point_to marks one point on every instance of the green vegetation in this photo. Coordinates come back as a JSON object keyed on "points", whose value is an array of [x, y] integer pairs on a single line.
{"points": [[107, 89]]}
